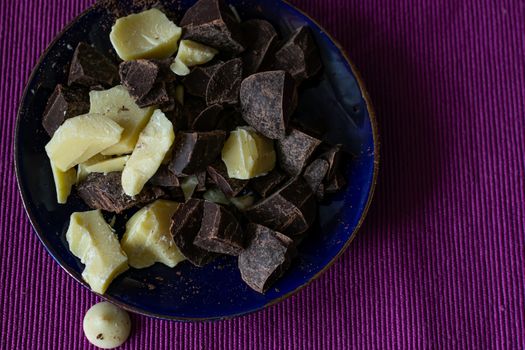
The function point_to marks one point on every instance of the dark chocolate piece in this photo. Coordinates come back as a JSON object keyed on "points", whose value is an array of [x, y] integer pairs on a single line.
{"points": [[164, 178], [264, 185], [156, 96], [299, 56], [194, 151], [266, 258], [219, 174], [64, 103], [206, 119], [333, 157], [291, 210], [220, 231], [212, 23], [261, 39], [295, 150], [138, 77], [89, 68], [268, 99], [225, 83], [230, 119], [314, 174], [336, 185], [105, 192], [196, 82], [185, 225]]}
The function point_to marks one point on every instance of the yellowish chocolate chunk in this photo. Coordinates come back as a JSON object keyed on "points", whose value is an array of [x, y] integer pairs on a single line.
{"points": [[248, 154], [191, 54], [118, 105], [64, 180], [148, 238], [93, 241], [188, 186], [153, 144], [82, 173], [108, 165], [148, 34], [80, 138]]}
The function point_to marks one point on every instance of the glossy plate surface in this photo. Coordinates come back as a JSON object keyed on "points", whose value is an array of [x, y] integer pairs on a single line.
{"points": [[336, 105]]}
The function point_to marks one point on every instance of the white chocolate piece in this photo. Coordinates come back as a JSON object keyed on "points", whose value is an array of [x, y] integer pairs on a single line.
{"points": [[80, 138], [148, 238], [93, 241], [82, 173], [191, 54], [148, 34], [106, 325], [108, 165], [64, 180], [248, 154], [153, 144], [118, 105], [188, 186]]}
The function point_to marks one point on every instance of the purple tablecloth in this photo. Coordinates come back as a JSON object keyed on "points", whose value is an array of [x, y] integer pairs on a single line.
{"points": [[438, 264]]}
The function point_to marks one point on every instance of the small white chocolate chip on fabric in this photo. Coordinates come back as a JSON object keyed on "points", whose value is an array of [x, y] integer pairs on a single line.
{"points": [[106, 325]]}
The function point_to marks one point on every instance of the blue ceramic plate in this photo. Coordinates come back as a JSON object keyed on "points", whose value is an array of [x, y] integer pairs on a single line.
{"points": [[337, 105]]}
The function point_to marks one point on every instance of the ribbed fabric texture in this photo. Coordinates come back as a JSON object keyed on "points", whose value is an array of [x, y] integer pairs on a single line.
{"points": [[439, 263]]}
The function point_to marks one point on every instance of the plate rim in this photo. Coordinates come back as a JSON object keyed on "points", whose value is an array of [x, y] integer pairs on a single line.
{"points": [[61, 263]]}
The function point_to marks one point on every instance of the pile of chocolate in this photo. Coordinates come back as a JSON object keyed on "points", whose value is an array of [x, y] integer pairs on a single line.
{"points": [[254, 82]]}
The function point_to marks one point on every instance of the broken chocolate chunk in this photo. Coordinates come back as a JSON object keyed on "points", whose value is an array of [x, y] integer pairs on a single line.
{"points": [[261, 39], [268, 99], [225, 83], [138, 77], [194, 151], [219, 174], [220, 231], [197, 81], [64, 103], [206, 119], [89, 68], [314, 174], [105, 192], [185, 225], [336, 185], [229, 119], [299, 56], [212, 23], [295, 150], [156, 96], [291, 210], [333, 157], [164, 178], [266, 258], [264, 185]]}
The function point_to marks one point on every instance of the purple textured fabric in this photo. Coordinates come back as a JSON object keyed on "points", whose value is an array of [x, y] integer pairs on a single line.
{"points": [[439, 263]]}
